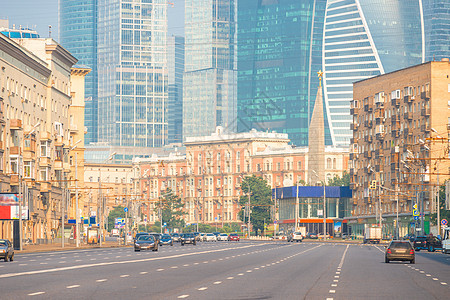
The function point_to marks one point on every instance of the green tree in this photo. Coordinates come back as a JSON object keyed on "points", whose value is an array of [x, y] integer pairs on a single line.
{"points": [[340, 181], [117, 212], [444, 214], [260, 201], [172, 209]]}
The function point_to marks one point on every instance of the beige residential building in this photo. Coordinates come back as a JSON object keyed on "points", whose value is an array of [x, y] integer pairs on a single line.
{"points": [[37, 87], [400, 130]]}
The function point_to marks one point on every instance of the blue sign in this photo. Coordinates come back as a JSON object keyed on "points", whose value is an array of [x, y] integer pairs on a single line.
{"points": [[416, 218], [444, 222], [415, 212], [71, 221], [125, 209]]}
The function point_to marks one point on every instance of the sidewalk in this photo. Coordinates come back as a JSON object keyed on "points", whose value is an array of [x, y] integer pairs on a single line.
{"points": [[57, 247]]}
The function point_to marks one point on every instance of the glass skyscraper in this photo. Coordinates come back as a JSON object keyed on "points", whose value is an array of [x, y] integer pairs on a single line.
{"points": [[132, 73], [78, 34], [209, 86], [437, 29], [362, 39], [279, 54], [175, 66]]}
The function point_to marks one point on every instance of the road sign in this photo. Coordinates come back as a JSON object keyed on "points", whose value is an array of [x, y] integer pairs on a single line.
{"points": [[415, 206], [125, 209], [444, 222], [416, 218], [415, 212]]}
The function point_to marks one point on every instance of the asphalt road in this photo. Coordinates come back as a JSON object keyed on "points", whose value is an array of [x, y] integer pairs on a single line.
{"points": [[226, 270]]}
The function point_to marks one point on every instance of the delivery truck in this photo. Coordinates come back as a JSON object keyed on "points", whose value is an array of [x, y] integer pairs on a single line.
{"points": [[372, 234]]}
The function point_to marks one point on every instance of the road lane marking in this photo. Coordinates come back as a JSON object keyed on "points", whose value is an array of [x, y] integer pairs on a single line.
{"points": [[183, 296], [186, 265], [174, 267], [435, 278], [335, 280], [249, 271], [428, 275], [159, 270], [23, 264], [196, 263], [231, 277], [203, 288], [444, 283], [101, 280], [240, 274], [332, 291], [43, 263], [333, 284], [37, 293], [218, 282], [72, 286], [125, 275], [142, 273]]}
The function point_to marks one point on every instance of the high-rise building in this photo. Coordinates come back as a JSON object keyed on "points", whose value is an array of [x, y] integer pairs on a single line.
{"points": [[209, 87], [78, 34], [279, 53], [132, 73], [175, 66], [436, 27]]}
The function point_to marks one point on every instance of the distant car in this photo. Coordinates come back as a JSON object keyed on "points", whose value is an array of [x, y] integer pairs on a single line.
{"points": [[146, 242], [188, 238], [203, 237], [216, 233], [280, 236], [175, 237], [233, 237], [140, 234], [345, 236], [295, 237], [401, 251], [433, 243], [210, 237], [222, 237], [197, 236], [420, 243], [157, 236], [6, 250], [409, 236], [312, 235], [166, 239]]}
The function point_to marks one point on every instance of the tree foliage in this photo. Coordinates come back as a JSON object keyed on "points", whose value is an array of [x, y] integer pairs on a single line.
{"points": [[260, 201], [172, 210], [117, 212], [444, 214], [340, 181]]}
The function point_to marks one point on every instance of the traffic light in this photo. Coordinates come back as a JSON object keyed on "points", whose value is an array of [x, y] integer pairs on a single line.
{"points": [[373, 185]]}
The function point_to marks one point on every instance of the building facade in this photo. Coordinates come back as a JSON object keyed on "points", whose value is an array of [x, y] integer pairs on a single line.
{"points": [[209, 87], [208, 176], [78, 34], [436, 23], [132, 73], [400, 125], [39, 84]]}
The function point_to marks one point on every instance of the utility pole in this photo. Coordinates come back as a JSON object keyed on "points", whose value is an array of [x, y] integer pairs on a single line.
{"points": [[296, 207], [20, 205], [324, 213], [76, 202]]}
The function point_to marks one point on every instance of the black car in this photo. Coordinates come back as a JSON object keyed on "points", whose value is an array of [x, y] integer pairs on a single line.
{"points": [[420, 243], [188, 238], [140, 234], [166, 239], [312, 235], [157, 236], [400, 250], [433, 243], [146, 242], [6, 250]]}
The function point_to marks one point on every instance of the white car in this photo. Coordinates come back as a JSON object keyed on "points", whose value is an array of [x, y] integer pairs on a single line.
{"points": [[296, 237], [222, 237], [210, 237]]}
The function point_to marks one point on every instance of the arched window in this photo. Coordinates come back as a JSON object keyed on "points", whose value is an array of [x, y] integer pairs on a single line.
{"points": [[328, 163], [299, 165], [334, 163]]}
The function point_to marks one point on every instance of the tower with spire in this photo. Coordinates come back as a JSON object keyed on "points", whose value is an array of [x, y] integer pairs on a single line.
{"points": [[316, 139]]}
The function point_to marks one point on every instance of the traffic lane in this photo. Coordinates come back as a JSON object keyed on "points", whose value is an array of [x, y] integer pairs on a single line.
{"points": [[435, 264], [293, 275], [79, 257], [87, 280], [364, 274]]}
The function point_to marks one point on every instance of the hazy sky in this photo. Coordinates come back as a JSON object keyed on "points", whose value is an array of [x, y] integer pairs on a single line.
{"points": [[38, 14]]}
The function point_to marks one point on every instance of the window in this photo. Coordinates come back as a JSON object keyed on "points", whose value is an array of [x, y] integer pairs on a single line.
{"points": [[43, 172], [45, 148], [27, 169], [299, 165], [14, 164]]}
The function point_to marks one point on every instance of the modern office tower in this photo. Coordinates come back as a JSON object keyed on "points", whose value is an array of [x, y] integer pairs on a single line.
{"points": [[175, 66], [78, 34], [363, 39], [209, 85], [437, 29], [132, 73], [279, 54]]}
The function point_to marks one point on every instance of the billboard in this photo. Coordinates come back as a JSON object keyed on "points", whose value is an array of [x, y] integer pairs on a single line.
{"points": [[9, 207], [119, 223]]}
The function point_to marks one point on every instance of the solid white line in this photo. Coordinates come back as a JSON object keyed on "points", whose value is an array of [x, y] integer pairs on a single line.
{"points": [[72, 286], [125, 262], [343, 257]]}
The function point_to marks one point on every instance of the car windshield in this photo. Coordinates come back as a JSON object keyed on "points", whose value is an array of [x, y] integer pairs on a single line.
{"points": [[210, 234], [145, 238], [3, 243], [297, 233], [400, 246], [175, 234], [224, 234], [166, 236]]}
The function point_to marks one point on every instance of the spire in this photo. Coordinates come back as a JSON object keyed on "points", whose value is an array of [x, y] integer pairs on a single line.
{"points": [[316, 139]]}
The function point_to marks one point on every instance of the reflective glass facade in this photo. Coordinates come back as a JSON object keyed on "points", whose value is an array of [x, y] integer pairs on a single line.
{"points": [[175, 65], [362, 39], [78, 34], [279, 54], [437, 29], [132, 72], [209, 89]]}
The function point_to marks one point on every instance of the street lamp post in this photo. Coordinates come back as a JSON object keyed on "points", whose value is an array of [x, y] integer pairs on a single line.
{"points": [[248, 207], [324, 207]]}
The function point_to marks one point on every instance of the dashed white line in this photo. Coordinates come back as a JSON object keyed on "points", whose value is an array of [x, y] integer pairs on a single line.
{"points": [[240, 274], [231, 277], [72, 286], [203, 288], [332, 291], [142, 273], [101, 280], [218, 282], [183, 296], [159, 270], [37, 293], [435, 278], [444, 283], [125, 275], [174, 267]]}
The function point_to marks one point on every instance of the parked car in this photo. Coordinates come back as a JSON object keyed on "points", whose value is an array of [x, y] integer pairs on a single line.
{"points": [[216, 233], [312, 235], [409, 237], [279, 236], [222, 237], [210, 237], [175, 237], [166, 239], [233, 237], [203, 237], [420, 243], [295, 237], [433, 243], [188, 238], [6, 250], [345, 236], [197, 236], [401, 251], [146, 242]]}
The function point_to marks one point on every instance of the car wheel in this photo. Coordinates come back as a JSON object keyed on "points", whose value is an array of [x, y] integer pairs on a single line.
{"points": [[432, 249], [171, 244], [12, 257], [413, 261], [6, 257], [386, 260], [182, 244]]}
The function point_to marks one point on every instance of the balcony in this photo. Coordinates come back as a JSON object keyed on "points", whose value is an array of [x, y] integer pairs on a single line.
{"points": [[408, 116], [367, 154], [368, 108], [44, 161], [45, 187], [379, 168], [425, 128], [14, 150], [407, 132], [395, 102], [354, 126], [380, 136], [368, 124], [45, 135], [368, 139], [73, 128], [425, 95], [393, 167], [407, 99], [354, 111], [395, 133], [425, 112], [58, 165], [379, 153], [15, 124]]}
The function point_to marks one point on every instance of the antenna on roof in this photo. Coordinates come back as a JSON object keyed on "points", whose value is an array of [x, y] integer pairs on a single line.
{"points": [[50, 31]]}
